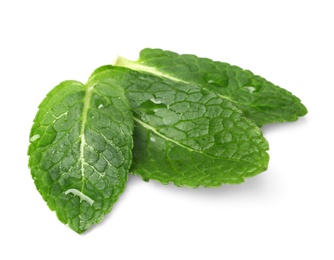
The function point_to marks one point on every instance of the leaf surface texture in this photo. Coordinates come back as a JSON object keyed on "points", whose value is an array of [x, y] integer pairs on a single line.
{"points": [[258, 98], [80, 150], [187, 135]]}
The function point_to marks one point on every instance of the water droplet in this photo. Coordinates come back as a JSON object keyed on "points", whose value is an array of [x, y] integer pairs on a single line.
{"points": [[250, 89], [34, 137], [216, 78], [102, 102], [156, 100]]}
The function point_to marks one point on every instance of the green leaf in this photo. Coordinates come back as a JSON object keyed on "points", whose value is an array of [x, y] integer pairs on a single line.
{"points": [[187, 135], [258, 98], [80, 150]]}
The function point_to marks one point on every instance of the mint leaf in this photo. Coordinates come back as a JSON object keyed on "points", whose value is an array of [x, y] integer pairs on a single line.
{"points": [[80, 150], [185, 134], [258, 98]]}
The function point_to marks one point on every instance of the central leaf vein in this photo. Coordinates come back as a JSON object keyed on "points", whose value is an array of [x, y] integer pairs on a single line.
{"points": [[155, 131], [87, 99]]}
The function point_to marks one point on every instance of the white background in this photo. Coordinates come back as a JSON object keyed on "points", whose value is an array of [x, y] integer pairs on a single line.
{"points": [[283, 213]]}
